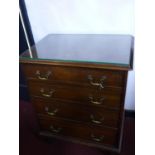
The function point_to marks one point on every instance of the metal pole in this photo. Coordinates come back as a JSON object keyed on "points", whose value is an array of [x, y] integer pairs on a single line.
{"points": [[25, 32]]}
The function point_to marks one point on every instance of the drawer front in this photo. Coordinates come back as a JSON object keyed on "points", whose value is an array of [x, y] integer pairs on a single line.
{"points": [[84, 76], [57, 126], [109, 96], [87, 114]]}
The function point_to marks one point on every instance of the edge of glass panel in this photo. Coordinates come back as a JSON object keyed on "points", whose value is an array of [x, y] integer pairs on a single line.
{"points": [[78, 61]]}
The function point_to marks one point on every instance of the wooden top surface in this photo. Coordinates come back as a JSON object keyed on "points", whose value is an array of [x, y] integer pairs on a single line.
{"points": [[102, 49]]}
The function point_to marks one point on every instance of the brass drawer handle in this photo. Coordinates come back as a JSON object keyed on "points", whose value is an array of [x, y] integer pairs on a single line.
{"points": [[46, 95], [51, 113], [90, 78], [96, 121], [96, 102], [100, 139], [45, 77], [54, 129]]}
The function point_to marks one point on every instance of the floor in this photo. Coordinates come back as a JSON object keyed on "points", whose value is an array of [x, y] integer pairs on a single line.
{"points": [[30, 144]]}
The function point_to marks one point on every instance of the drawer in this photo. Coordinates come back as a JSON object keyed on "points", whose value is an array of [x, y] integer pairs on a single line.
{"points": [[107, 136], [87, 114], [84, 76], [108, 95]]}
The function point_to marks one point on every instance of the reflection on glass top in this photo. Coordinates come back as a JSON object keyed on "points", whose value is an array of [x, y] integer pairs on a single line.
{"points": [[100, 48]]}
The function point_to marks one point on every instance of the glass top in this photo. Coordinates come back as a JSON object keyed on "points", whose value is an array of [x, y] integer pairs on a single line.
{"points": [[99, 48]]}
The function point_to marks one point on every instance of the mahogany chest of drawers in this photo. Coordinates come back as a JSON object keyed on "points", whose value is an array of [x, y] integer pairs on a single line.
{"points": [[75, 98]]}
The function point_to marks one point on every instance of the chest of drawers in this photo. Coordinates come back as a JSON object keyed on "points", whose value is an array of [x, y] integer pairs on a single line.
{"points": [[76, 100]]}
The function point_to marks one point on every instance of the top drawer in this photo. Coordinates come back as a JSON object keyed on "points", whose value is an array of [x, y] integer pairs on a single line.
{"points": [[74, 75]]}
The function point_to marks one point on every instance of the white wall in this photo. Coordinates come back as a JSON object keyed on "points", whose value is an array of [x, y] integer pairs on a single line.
{"points": [[84, 16]]}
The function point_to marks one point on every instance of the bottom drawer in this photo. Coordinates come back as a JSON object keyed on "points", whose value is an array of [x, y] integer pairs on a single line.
{"points": [[104, 135]]}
